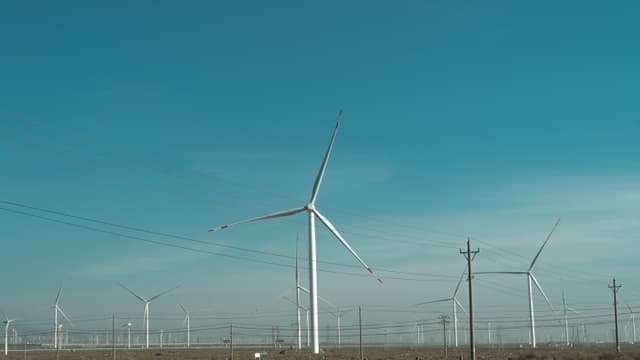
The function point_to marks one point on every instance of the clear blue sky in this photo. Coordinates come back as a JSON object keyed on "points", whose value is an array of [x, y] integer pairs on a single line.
{"points": [[487, 120]]}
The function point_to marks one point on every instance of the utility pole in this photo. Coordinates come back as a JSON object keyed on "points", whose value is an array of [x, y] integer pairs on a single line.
{"points": [[615, 289], [231, 342], [299, 335], [469, 255], [360, 326], [444, 332], [113, 335]]}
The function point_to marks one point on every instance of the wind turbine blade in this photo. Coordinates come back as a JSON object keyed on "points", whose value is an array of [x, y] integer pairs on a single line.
{"points": [[265, 217], [460, 305], [432, 301], [132, 293], [535, 281], [501, 272], [163, 293], [316, 185], [455, 292], [58, 296], [543, 244], [573, 310], [65, 315], [183, 309], [629, 307], [335, 232], [294, 303], [304, 289], [327, 302]]}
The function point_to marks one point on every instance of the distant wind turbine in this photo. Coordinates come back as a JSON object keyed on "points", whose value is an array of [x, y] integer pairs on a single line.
{"points": [[565, 310], [146, 306], [187, 321], [6, 323], [530, 277], [455, 303], [337, 314], [312, 212], [56, 309], [633, 324], [307, 312], [128, 326]]}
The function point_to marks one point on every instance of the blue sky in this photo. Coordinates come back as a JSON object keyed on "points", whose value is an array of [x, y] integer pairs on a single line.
{"points": [[484, 120]]}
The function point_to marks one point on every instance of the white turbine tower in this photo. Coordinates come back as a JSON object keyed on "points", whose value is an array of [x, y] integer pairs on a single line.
{"points": [[565, 310], [6, 323], [128, 325], [56, 309], [455, 303], [337, 314], [187, 321], [633, 324], [307, 312], [530, 277], [312, 212], [146, 307]]}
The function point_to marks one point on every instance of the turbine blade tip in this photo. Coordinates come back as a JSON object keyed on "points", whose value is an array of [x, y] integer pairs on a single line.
{"points": [[224, 227], [380, 280], [211, 230], [370, 270]]}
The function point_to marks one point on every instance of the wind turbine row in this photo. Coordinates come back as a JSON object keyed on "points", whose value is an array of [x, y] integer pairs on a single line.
{"points": [[312, 213]]}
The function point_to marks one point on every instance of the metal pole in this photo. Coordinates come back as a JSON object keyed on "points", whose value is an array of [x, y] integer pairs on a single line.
{"points": [[469, 256], [615, 289], [360, 326], [298, 299], [231, 342], [113, 336], [444, 333]]}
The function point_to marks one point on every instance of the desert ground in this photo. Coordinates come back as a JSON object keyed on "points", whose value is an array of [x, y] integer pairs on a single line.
{"points": [[423, 353]]}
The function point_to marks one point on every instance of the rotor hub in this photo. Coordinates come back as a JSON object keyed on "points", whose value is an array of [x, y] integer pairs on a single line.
{"points": [[311, 207]]}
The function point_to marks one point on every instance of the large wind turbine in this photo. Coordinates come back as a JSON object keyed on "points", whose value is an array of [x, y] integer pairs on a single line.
{"points": [[146, 306], [455, 303], [56, 309], [530, 277], [187, 321], [312, 212], [566, 309], [6, 323]]}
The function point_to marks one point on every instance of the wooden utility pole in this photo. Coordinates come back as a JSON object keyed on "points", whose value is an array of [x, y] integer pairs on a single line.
{"points": [[444, 333], [469, 255], [615, 289]]}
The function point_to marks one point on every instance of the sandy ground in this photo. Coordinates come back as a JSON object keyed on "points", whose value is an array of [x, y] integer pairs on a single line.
{"points": [[423, 353]]}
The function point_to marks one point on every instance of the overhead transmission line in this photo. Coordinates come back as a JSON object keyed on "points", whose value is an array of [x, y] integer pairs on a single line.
{"points": [[162, 243]]}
